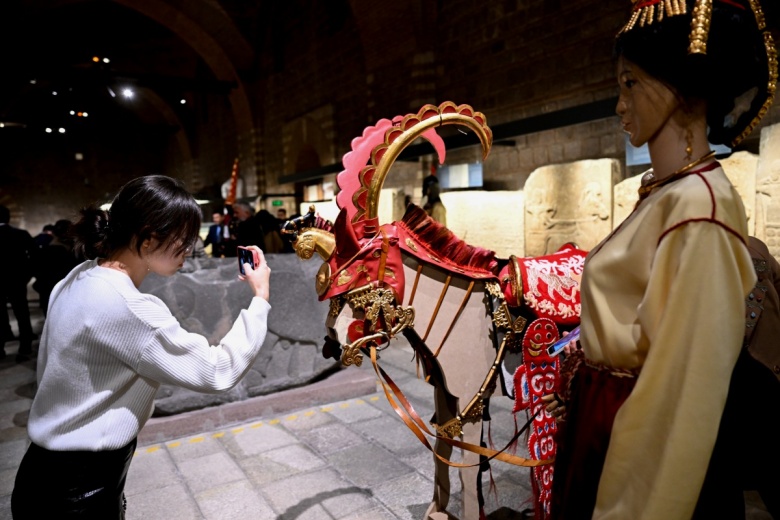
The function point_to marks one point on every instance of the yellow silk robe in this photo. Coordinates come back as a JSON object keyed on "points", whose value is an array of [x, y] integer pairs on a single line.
{"points": [[666, 293]]}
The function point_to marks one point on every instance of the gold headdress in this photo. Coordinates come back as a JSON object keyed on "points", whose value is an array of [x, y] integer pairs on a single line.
{"points": [[649, 12]]}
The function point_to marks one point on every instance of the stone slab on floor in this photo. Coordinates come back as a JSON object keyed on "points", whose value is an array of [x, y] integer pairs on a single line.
{"points": [[344, 384]]}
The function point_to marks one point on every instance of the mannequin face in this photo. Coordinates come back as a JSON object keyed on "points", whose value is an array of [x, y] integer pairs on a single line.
{"points": [[645, 105]]}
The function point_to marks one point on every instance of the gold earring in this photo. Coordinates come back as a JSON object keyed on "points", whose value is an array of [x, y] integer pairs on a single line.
{"points": [[689, 148]]}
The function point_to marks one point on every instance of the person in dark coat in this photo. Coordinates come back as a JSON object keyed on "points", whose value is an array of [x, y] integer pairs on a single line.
{"points": [[55, 261], [248, 230], [16, 270]]}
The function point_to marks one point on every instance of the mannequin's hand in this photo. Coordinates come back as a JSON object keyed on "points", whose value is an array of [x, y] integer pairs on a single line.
{"points": [[571, 347], [555, 405]]}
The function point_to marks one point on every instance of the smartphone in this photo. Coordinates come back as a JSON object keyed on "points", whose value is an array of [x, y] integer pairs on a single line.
{"points": [[557, 347], [246, 256]]}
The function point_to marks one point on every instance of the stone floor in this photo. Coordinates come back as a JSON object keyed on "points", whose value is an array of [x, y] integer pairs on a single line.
{"points": [[329, 455]]}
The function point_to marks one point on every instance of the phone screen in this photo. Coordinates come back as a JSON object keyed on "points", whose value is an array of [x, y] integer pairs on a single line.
{"points": [[557, 347], [245, 256]]}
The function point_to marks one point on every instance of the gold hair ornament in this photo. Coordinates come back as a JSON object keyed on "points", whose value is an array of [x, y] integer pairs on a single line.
{"points": [[771, 63], [647, 12]]}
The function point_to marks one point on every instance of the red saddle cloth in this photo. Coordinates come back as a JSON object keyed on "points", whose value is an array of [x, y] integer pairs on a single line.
{"points": [[538, 376], [548, 285]]}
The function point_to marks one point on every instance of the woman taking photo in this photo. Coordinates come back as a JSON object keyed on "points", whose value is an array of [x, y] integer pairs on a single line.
{"points": [[106, 348], [663, 295]]}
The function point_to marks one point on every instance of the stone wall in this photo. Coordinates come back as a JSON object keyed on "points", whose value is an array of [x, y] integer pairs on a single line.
{"points": [[583, 201], [206, 297]]}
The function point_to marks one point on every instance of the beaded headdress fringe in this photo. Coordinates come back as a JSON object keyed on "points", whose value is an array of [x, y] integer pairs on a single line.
{"points": [[648, 12]]}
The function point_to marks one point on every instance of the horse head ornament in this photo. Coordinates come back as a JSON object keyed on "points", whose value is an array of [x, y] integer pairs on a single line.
{"points": [[450, 300], [363, 265]]}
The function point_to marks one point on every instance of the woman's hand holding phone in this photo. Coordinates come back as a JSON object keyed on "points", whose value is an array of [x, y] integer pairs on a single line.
{"points": [[259, 276]]}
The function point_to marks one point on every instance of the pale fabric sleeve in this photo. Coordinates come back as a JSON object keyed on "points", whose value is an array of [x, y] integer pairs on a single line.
{"points": [[693, 317], [181, 358]]}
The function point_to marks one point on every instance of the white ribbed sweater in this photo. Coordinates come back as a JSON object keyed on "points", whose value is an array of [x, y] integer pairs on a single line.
{"points": [[105, 349]]}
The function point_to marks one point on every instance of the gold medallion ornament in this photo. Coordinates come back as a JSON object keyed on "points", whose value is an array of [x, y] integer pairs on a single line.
{"points": [[344, 277], [322, 281]]}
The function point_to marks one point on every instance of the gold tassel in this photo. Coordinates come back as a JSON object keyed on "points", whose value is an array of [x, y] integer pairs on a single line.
{"points": [[758, 13], [700, 27]]}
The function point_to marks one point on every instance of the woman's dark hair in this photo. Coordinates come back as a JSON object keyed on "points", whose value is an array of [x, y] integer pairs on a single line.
{"points": [[731, 77], [148, 207]]}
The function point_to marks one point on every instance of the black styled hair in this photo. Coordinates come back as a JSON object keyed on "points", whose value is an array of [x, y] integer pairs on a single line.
{"points": [[154, 206], [731, 77], [62, 229], [5, 215]]}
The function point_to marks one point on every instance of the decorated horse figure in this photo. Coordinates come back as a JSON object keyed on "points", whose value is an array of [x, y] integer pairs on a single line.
{"points": [[416, 278]]}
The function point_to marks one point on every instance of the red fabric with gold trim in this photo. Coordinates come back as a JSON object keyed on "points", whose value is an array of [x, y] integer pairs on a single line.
{"points": [[538, 376], [357, 329], [432, 243], [357, 259], [419, 249], [510, 281], [551, 286]]}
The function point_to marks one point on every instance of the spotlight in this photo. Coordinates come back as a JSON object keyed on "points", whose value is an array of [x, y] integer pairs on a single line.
{"points": [[83, 114], [48, 130], [73, 112], [128, 93], [62, 130], [183, 101], [106, 60], [53, 92]]}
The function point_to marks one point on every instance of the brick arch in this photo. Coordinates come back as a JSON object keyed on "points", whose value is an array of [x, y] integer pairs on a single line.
{"points": [[209, 31], [212, 35], [408, 21], [189, 172], [308, 142]]}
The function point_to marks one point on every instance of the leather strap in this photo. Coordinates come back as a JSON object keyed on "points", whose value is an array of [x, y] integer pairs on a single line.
{"points": [[414, 287], [383, 257], [413, 421], [455, 319], [438, 306]]}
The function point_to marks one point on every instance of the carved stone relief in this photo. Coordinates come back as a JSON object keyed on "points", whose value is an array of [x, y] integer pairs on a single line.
{"points": [[569, 203], [741, 168], [489, 219], [768, 189], [625, 197]]}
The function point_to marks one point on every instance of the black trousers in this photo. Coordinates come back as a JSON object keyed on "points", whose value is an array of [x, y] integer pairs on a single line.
{"points": [[745, 456], [16, 295], [82, 485]]}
